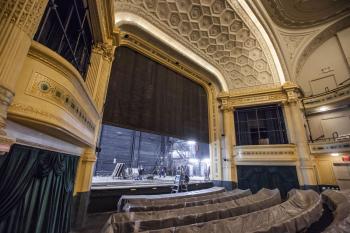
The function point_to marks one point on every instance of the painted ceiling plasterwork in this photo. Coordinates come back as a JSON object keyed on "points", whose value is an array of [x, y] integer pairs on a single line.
{"points": [[314, 21], [319, 39], [216, 32], [305, 13]]}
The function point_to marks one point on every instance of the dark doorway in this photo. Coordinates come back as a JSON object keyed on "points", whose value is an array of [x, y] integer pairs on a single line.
{"points": [[256, 177]]}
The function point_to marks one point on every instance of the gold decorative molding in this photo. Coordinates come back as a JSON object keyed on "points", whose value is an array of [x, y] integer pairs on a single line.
{"points": [[45, 55], [231, 100], [45, 88], [288, 92], [292, 90], [6, 97], [25, 14], [265, 153], [28, 114], [85, 169], [107, 51], [52, 98], [98, 74], [102, 20], [132, 41]]}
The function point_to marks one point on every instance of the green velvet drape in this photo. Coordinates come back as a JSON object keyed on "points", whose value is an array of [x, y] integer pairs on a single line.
{"points": [[36, 190], [256, 177]]}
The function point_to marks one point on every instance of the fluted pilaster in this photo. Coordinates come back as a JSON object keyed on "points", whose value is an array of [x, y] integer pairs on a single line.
{"points": [[99, 71], [305, 163], [82, 187], [19, 20], [229, 165]]}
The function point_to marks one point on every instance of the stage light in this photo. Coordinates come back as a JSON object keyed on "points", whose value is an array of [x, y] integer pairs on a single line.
{"points": [[323, 108], [191, 142], [193, 160], [335, 154], [206, 161]]}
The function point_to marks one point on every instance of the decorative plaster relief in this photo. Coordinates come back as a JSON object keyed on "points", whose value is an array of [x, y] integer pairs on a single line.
{"points": [[305, 13], [330, 147], [318, 40], [232, 100], [289, 92], [292, 43], [25, 14], [107, 51], [19, 111], [266, 153], [337, 95], [213, 30], [45, 88]]}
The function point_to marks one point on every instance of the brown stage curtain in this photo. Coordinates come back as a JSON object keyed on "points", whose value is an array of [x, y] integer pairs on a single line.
{"points": [[145, 95]]}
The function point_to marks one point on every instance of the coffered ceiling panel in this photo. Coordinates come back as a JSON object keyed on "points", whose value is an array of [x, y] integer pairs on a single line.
{"points": [[212, 29], [305, 13]]}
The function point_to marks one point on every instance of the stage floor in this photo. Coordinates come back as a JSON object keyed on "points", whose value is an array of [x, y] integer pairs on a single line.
{"points": [[105, 191], [103, 182]]}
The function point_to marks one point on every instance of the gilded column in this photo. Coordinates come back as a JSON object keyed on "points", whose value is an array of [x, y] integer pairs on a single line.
{"points": [[19, 20], [97, 83], [102, 56], [305, 164], [85, 171], [82, 187], [230, 142]]}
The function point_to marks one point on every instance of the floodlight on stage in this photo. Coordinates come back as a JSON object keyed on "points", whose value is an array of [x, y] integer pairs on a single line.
{"points": [[193, 160], [324, 108], [206, 161], [191, 142]]}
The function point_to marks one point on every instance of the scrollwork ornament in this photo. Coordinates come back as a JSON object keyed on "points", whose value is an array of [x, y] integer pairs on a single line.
{"points": [[107, 51]]}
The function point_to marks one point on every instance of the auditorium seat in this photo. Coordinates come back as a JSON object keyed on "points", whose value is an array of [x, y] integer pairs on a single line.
{"points": [[294, 215], [142, 199], [157, 205], [339, 203], [141, 221]]}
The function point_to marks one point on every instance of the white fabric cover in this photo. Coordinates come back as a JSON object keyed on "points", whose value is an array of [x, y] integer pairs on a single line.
{"points": [[339, 203], [296, 214], [141, 221], [157, 205], [141, 199]]}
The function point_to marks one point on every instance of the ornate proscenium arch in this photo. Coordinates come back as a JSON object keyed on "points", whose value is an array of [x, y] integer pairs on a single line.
{"points": [[134, 42], [211, 33]]}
